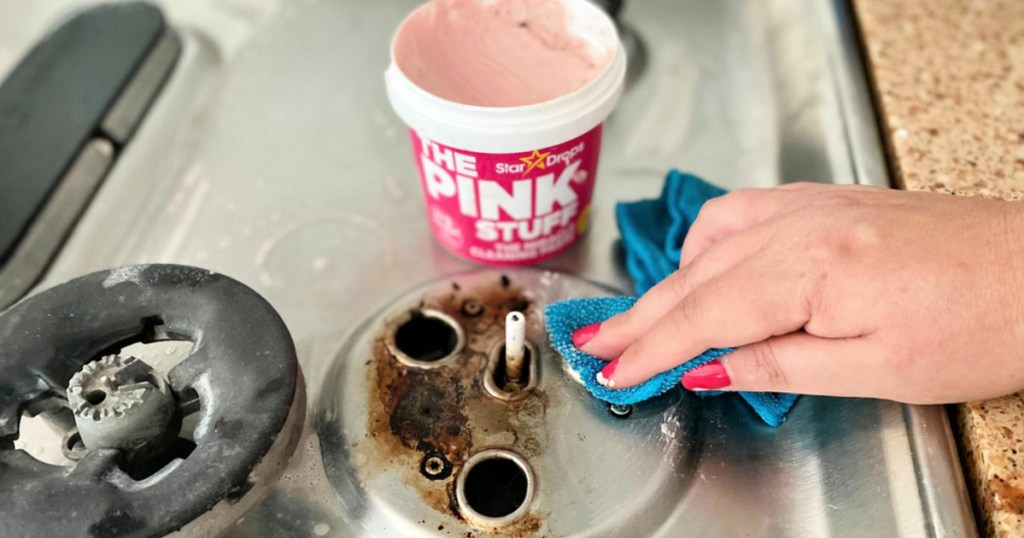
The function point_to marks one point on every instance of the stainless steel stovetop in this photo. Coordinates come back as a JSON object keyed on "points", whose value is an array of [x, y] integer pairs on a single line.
{"points": [[271, 155]]}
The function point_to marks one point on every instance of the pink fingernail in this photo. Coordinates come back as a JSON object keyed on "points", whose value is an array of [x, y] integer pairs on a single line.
{"points": [[604, 377], [585, 334], [710, 376]]}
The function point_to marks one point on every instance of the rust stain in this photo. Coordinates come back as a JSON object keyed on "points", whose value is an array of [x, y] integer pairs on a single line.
{"points": [[445, 411]]}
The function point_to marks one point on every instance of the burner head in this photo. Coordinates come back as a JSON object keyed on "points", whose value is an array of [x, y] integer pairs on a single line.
{"points": [[123, 403]]}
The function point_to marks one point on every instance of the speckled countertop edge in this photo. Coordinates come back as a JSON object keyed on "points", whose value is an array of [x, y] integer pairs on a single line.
{"points": [[948, 77]]}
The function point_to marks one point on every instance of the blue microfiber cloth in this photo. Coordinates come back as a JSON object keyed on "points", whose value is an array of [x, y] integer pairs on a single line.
{"points": [[653, 230], [652, 234]]}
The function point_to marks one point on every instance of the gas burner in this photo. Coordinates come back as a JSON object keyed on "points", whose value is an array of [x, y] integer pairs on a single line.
{"points": [[131, 469], [448, 412]]}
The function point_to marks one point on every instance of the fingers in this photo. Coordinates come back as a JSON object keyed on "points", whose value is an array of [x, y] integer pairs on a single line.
{"points": [[717, 224], [799, 363], [803, 186], [726, 215], [616, 334], [747, 304]]}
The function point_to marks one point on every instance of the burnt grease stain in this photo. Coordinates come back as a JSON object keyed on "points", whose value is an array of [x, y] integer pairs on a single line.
{"points": [[416, 412], [427, 412]]}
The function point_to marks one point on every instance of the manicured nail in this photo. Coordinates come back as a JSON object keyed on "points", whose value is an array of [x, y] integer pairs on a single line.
{"points": [[710, 376], [584, 335], [604, 377]]}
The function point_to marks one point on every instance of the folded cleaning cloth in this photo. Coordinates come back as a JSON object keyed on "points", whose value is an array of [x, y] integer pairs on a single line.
{"points": [[652, 234]]}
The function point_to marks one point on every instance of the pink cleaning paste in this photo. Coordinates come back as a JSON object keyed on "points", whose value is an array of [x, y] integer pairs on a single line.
{"points": [[509, 208], [496, 53]]}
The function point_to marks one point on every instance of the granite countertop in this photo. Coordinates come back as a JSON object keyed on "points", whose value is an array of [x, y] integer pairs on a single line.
{"points": [[949, 78]]}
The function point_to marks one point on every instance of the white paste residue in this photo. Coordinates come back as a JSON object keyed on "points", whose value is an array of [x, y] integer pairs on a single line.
{"points": [[124, 274]]}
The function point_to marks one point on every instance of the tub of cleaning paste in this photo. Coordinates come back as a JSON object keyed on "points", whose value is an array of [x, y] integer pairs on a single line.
{"points": [[505, 100]]}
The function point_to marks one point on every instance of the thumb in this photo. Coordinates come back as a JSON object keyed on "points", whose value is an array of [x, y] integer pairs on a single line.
{"points": [[798, 363]]}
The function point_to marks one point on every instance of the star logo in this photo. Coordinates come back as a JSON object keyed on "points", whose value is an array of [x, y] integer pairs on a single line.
{"points": [[535, 161]]}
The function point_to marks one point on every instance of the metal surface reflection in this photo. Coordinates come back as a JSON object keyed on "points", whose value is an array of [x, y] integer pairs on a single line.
{"points": [[272, 156]]}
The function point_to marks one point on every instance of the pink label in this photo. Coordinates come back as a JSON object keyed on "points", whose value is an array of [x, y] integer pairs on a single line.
{"points": [[508, 208]]}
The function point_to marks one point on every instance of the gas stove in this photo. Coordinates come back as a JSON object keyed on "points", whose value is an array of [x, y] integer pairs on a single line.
{"points": [[234, 254]]}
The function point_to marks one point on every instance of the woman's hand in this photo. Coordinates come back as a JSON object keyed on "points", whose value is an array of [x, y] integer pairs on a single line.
{"points": [[848, 291]]}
